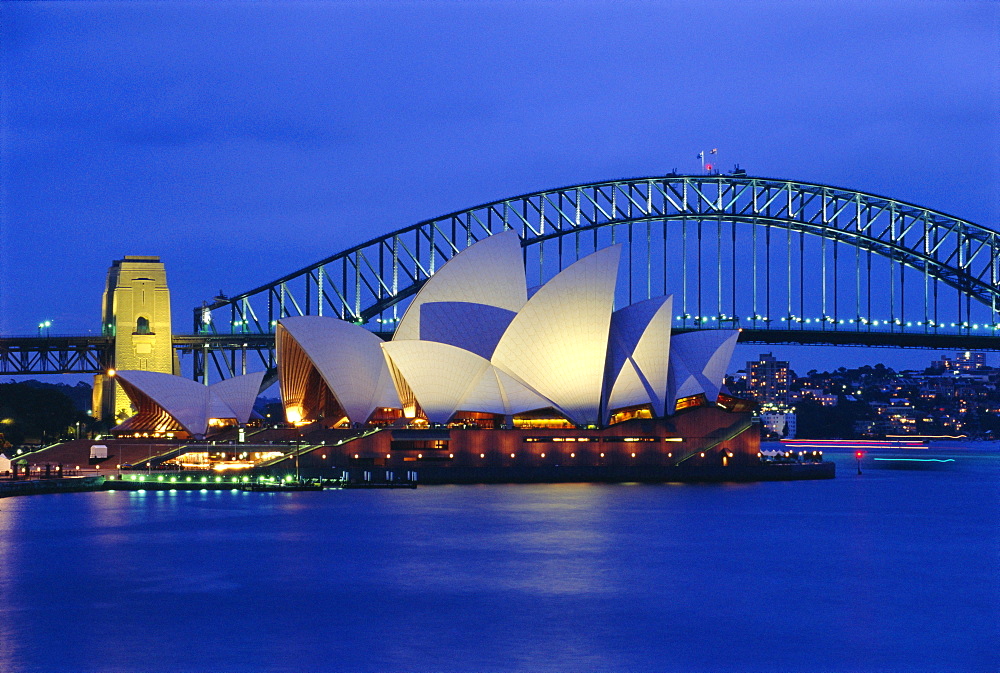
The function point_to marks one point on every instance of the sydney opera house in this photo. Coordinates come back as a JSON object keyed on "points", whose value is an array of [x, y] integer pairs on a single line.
{"points": [[484, 373], [486, 379]]}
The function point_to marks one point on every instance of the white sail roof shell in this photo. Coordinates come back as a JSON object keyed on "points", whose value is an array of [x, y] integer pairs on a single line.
{"points": [[445, 379], [349, 359], [629, 389], [474, 327], [490, 272], [557, 344], [497, 392], [185, 400], [439, 374], [638, 354], [192, 404], [698, 362], [239, 394], [517, 396], [680, 382]]}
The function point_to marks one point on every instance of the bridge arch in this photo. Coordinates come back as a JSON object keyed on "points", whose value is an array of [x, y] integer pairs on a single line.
{"points": [[733, 249]]}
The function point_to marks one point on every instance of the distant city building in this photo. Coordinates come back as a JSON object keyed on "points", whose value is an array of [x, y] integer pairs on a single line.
{"points": [[767, 380], [963, 362], [781, 423], [136, 312], [818, 396], [970, 360]]}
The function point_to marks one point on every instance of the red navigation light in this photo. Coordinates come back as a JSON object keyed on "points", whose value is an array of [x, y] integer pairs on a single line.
{"points": [[859, 454]]}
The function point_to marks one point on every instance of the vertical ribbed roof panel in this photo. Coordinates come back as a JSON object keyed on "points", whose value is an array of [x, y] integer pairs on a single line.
{"points": [[558, 342], [348, 358], [488, 272]]}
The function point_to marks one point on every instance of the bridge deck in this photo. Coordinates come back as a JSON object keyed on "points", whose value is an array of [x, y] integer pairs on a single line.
{"points": [[92, 355]]}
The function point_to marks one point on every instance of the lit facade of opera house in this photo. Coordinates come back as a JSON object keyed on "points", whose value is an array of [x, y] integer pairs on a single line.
{"points": [[486, 375]]}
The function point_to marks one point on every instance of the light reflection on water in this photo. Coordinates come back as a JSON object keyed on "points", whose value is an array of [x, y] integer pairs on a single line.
{"points": [[893, 571]]}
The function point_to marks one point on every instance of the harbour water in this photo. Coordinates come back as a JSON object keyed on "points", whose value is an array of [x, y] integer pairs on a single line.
{"points": [[893, 570]]}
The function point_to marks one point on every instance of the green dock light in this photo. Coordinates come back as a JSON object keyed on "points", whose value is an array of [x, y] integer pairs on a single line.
{"points": [[173, 479]]}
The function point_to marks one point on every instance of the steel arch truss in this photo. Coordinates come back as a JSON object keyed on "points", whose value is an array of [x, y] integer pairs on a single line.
{"points": [[366, 282]]}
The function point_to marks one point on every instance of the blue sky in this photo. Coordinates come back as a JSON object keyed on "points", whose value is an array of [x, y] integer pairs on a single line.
{"points": [[240, 141]]}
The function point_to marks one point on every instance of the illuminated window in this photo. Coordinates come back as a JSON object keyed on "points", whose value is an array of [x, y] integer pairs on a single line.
{"points": [[692, 401]]}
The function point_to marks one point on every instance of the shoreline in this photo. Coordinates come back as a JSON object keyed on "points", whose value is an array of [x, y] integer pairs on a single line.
{"points": [[381, 479]]}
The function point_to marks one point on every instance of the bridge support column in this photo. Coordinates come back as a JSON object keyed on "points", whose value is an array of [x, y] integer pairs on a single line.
{"points": [[136, 313]]}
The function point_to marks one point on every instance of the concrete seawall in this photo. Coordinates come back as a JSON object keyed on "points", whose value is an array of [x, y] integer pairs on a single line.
{"points": [[40, 486]]}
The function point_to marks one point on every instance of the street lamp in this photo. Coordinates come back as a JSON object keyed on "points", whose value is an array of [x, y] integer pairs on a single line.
{"points": [[45, 327]]}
